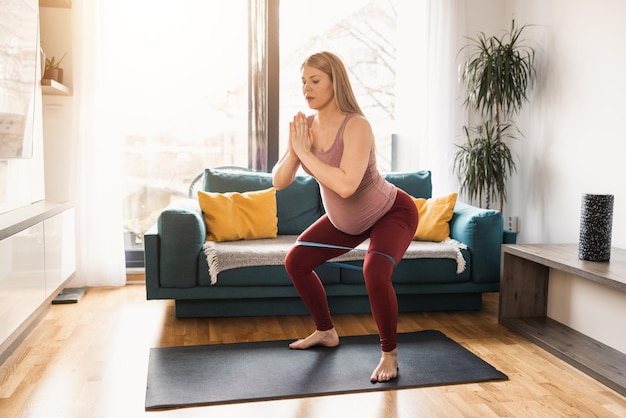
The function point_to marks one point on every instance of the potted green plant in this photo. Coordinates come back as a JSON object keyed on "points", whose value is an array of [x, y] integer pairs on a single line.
{"points": [[497, 77], [53, 71]]}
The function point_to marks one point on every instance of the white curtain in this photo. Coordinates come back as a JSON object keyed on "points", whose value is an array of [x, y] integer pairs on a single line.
{"points": [[429, 109], [100, 243]]}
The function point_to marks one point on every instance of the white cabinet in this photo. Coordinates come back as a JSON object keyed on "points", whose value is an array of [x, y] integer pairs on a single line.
{"points": [[37, 258], [22, 278], [60, 250]]}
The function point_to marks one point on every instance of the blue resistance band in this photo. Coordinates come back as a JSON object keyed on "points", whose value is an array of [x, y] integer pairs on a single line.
{"points": [[339, 247]]}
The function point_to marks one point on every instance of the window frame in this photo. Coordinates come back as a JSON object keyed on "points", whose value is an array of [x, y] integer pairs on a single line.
{"points": [[263, 84]]}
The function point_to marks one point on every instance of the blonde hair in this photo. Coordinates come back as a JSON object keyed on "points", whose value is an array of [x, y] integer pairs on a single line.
{"points": [[332, 65]]}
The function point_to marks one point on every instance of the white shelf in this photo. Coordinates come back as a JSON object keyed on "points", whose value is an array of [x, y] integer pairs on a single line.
{"points": [[66, 4], [54, 88]]}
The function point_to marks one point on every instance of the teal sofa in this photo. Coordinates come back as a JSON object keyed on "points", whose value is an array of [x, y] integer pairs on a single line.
{"points": [[176, 266]]}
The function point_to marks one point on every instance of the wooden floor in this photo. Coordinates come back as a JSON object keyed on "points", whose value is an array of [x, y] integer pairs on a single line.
{"points": [[90, 360]]}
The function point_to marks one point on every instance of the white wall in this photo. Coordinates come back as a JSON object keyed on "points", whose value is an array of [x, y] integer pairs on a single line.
{"points": [[589, 307], [572, 125]]}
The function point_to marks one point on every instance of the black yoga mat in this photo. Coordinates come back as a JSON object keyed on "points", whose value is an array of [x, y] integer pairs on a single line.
{"points": [[243, 372]]}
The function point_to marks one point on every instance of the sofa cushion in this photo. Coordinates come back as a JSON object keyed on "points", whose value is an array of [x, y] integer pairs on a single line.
{"points": [[259, 276], [420, 271], [235, 216], [417, 184], [298, 205], [434, 217]]}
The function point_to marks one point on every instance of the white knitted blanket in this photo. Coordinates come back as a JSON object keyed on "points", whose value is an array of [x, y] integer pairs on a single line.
{"points": [[223, 256]]}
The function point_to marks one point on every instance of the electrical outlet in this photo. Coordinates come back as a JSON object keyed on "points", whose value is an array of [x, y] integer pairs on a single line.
{"points": [[513, 223]]}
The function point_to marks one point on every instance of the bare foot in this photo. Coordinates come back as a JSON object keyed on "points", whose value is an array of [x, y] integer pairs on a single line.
{"points": [[387, 368], [326, 338]]}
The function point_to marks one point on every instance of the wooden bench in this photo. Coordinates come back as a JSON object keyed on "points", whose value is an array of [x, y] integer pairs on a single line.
{"points": [[524, 301]]}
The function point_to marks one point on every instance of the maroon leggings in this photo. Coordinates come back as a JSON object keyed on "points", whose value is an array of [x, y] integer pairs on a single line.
{"points": [[390, 235]]}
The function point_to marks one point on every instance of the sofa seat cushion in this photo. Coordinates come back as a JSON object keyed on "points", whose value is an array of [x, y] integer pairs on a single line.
{"points": [[260, 276], [225, 256], [297, 206], [419, 271]]}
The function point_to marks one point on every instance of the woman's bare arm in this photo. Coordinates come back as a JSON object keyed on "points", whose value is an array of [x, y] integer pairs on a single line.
{"points": [[358, 141], [285, 170]]}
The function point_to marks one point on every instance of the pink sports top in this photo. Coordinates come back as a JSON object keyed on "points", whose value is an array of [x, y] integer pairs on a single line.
{"points": [[371, 200]]}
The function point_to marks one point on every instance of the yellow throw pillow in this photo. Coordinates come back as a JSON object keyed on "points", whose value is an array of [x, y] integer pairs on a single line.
{"points": [[434, 217], [235, 216]]}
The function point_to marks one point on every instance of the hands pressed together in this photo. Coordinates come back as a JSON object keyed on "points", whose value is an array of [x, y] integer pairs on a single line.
{"points": [[300, 136]]}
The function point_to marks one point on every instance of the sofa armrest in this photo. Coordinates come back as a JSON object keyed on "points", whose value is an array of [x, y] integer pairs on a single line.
{"points": [[151, 251], [509, 237], [182, 233], [481, 230]]}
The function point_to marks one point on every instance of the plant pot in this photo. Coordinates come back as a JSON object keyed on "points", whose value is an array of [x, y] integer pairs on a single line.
{"points": [[55, 74]]}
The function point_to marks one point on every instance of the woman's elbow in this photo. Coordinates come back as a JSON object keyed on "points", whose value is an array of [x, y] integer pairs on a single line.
{"points": [[280, 183], [277, 184], [346, 192]]}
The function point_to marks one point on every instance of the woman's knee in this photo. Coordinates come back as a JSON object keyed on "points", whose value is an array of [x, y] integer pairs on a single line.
{"points": [[291, 262], [377, 271], [296, 261]]}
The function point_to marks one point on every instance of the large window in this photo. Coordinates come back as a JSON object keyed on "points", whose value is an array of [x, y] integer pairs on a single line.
{"points": [[183, 97], [183, 86]]}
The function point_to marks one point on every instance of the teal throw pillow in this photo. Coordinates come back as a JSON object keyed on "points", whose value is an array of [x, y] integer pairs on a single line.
{"points": [[417, 184]]}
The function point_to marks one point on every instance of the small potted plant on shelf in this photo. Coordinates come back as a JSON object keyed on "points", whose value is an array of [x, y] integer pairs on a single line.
{"points": [[53, 71]]}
